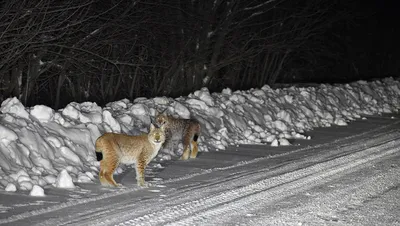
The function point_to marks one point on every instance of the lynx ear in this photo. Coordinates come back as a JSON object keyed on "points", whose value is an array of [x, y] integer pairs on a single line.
{"points": [[152, 127]]}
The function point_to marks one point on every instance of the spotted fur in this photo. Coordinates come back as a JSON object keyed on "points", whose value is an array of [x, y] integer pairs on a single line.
{"points": [[113, 149], [187, 130]]}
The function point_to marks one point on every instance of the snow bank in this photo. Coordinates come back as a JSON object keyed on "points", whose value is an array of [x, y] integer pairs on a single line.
{"points": [[42, 147]]}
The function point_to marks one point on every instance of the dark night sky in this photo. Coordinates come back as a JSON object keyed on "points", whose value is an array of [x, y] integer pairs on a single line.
{"points": [[386, 14], [371, 40]]}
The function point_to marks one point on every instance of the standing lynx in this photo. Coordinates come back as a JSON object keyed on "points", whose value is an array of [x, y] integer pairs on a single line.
{"points": [[113, 149], [187, 130]]}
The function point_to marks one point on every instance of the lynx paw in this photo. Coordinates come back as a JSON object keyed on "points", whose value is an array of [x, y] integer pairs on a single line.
{"points": [[185, 154], [109, 185], [143, 184], [183, 157]]}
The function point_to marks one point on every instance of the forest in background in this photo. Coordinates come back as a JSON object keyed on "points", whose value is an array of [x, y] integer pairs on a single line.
{"points": [[55, 52]]}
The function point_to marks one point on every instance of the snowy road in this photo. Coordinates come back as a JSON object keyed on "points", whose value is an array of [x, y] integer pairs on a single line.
{"points": [[350, 176]]}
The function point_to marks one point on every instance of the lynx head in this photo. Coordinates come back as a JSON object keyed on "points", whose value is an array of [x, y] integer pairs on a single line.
{"points": [[156, 134], [161, 118]]}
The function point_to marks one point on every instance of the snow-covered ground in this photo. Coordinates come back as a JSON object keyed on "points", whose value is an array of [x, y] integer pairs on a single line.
{"points": [[50, 153]]}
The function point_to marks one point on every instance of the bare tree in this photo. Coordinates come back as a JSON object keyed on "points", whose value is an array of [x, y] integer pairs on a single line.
{"points": [[54, 52]]}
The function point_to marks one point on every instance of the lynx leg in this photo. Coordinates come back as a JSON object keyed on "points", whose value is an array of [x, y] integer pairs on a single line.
{"points": [[140, 166], [102, 177], [110, 179], [195, 149], [186, 146], [186, 153], [107, 169]]}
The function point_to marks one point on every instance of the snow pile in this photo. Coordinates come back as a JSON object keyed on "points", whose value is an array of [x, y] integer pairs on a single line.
{"points": [[41, 147], [37, 191], [64, 180]]}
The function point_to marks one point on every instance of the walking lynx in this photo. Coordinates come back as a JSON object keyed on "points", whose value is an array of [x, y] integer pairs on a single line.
{"points": [[187, 130], [113, 149]]}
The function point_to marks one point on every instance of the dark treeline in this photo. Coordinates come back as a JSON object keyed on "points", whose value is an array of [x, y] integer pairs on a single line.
{"points": [[55, 52]]}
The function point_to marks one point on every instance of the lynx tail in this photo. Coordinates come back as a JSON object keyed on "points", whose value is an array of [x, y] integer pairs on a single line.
{"points": [[99, 156]]}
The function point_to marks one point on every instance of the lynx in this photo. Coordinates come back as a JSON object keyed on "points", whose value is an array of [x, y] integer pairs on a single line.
{"points": [[187, 130], [113, 149]]}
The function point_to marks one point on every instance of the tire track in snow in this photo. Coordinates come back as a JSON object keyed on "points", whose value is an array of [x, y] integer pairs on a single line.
{"points": [[337, 201], [268, 191]]}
